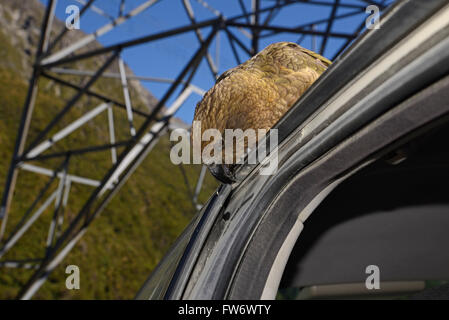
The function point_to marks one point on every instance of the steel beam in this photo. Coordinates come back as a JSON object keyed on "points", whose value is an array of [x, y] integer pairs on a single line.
{"points": [[92, 93], [99, 32], [199, 35], [255, 5], [25, 121], [135, 153], [316, 22], [71, 102], [67, 130], [64, 30], [292, 30], [329, 26], [129, 111]]}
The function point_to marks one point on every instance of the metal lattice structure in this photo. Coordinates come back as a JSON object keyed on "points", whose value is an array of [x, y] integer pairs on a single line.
{"points": [[254, 23]]}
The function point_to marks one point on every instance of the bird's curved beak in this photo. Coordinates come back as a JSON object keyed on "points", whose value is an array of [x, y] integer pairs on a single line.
{"points": [[222, 173]]}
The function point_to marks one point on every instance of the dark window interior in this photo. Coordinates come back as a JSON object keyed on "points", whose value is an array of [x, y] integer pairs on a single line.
{"points": [[393, 214]]}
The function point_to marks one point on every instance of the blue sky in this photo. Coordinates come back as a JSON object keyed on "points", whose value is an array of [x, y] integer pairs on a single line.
{"points": [[165, 58]]}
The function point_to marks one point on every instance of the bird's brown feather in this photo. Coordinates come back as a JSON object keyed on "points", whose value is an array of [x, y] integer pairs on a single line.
{"points": [[257, 93]]}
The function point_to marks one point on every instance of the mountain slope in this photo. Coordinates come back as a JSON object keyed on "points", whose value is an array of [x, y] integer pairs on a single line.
{"points": [[125, 243]]}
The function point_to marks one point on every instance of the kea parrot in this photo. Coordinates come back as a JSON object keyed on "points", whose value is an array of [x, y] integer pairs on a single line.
{"points": [[256, 94]]}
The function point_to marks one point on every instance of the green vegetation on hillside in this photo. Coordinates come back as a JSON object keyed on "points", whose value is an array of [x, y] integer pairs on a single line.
{"points": [[125, 243]]}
